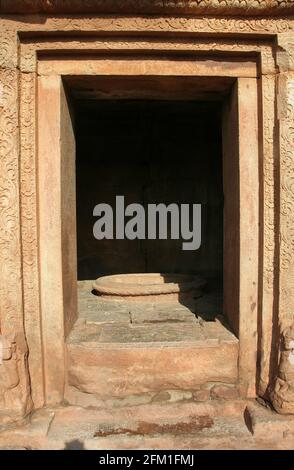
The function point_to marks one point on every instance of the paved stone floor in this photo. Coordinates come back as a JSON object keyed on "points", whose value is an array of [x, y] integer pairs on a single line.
{"points": [[96, 310], [135, 322]]}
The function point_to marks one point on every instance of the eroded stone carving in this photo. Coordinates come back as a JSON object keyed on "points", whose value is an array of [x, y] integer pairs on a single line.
{"points": [[283, 394], [14, 384]]}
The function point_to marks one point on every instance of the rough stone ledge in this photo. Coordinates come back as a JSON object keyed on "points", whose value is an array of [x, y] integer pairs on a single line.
{"points": [[200, 393], [263, 421], [184, 7]]}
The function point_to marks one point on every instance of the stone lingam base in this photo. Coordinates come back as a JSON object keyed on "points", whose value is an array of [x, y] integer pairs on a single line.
{"points": [[149, 287]]}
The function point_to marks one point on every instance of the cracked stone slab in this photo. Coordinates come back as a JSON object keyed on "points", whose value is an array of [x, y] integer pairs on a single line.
{"points": [[84, 333], [266, 423], [172, 312], [152, 333], [31, 435], [99, 317], [98, 311]]}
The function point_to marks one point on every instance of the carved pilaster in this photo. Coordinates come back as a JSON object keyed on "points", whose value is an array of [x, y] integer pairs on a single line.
{"points": [[268, 88], [14, 384], [283, 393], [286, 131], [29, 232], [10, 255]]}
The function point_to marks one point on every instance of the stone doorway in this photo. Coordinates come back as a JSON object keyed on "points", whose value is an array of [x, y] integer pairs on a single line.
{"points": [[243, 57], [124, 358], [151, 151]]}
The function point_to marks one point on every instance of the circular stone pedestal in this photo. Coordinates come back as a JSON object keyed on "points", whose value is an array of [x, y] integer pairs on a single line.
{"points": [[149, 287]]}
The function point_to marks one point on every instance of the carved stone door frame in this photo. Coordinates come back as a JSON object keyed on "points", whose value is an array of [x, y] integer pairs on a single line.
{"points": [[56, 168], [24, 40]]}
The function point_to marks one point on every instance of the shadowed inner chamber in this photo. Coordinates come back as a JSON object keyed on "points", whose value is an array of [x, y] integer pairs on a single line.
{"points": [[149, 152]]}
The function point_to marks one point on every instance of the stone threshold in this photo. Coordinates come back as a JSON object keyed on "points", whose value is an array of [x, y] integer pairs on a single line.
{"points": [[217, 424]]}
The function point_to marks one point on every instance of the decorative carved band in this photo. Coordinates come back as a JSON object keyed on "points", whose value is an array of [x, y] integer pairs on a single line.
{"points": [[224, 7], [283, 394], [15, 398]]}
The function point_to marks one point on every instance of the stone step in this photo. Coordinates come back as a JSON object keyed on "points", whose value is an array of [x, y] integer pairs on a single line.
{"points": [[210, 425], [122, 360], [183, 426]]}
